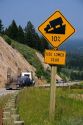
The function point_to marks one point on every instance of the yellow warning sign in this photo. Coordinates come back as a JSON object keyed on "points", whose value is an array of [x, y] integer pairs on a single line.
{"points": [[55, 57], [56, 29]]}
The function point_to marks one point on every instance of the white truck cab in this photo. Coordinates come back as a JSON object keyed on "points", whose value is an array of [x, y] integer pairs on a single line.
{"points": [[29, 74]]}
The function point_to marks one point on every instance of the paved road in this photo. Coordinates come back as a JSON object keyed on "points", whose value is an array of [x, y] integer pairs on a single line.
{"points": [[60, 84], [3, 91]]}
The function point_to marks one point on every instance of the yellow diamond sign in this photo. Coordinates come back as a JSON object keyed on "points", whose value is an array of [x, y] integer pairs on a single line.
{"points": [[56, 29]]}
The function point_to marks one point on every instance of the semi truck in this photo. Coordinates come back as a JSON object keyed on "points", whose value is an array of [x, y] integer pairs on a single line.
{"points": [[24, 79]]}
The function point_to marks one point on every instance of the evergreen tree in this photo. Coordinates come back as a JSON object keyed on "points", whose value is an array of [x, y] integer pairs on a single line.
{"points": [[31, 37], [1, 27], [20, 38], [12, 31], [44, 44]]}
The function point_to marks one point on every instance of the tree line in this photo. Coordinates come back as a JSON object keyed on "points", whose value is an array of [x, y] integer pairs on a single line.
{"points": [[30, 37], [27, 36]]}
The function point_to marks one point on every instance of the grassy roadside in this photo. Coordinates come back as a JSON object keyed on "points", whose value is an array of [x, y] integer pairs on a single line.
{"points": [[3, 100], [33, 107]]}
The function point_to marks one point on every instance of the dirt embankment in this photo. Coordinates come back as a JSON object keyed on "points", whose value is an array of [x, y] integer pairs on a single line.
{"points": [[11, 58], [1, 114]]}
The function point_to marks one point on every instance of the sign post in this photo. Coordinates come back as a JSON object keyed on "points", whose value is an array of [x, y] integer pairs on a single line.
{"points": [[56, 29], [52, 93]]}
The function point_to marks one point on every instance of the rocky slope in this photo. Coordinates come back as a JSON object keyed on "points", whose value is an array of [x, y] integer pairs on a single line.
{"points": [[11, 58]]}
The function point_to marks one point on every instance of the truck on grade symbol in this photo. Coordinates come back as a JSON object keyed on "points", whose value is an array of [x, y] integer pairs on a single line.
{"points": [[55, 26]]}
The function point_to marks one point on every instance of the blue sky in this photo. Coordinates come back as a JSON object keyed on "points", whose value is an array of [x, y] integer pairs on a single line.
{"points": [[38, 11]]}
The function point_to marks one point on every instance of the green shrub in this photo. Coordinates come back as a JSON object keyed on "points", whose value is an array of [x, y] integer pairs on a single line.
{"points": [[80, 86], [8, 40]]}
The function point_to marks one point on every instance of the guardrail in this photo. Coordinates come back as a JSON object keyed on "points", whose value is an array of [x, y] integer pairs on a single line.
{"points": [[10, 115]]}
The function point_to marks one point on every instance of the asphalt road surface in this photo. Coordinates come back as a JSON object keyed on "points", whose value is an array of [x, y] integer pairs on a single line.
{"points": [[60, 84], [3, 91]]}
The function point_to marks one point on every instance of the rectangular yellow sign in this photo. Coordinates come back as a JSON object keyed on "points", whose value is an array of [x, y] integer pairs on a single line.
{"points": [[55, 57]]}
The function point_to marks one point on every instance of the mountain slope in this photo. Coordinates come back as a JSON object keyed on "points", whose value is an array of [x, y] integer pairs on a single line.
{"points": [[30, 55], [74, 46], [11, 58]]}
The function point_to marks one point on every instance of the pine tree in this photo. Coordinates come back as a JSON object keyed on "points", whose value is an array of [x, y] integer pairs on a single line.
{"points": [[31, 37], [1, 27], [44, 44], [12, 31], [21, 38]]}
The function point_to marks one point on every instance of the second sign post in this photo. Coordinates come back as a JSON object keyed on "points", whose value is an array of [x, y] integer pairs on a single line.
{"points": [[56, 29]]}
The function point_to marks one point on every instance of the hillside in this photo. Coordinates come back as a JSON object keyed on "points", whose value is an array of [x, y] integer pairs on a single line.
{"points": [[17, 55], [74, 61], [11, 58], [74, 46], [30, 55]]}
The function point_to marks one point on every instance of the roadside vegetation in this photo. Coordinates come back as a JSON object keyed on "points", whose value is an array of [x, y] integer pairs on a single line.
{"points": [[33, 107], [30, 55], [71, 73], [3, 100]]}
